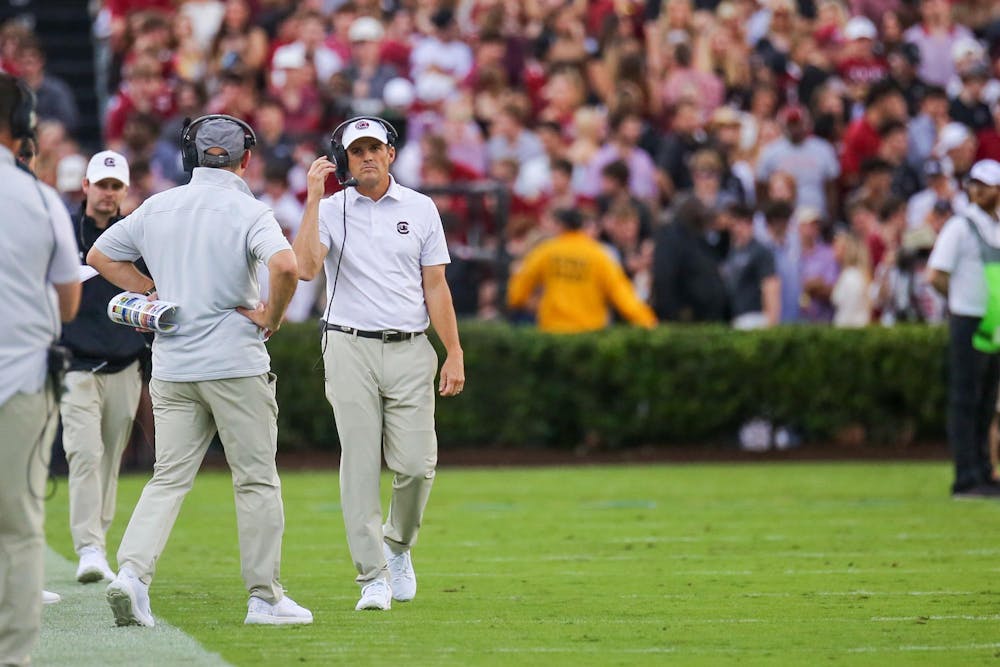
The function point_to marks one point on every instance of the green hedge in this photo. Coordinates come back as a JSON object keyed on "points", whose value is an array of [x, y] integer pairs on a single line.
{"points": [[675, 384]]}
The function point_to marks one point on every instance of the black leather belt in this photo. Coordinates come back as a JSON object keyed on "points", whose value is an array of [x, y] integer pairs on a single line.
{"points": [[386, 336]]}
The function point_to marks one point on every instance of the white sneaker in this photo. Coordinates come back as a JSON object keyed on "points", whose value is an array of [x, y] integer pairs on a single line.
{"points": [[375, 595], [402, 579], [285, 612], [93, 566], [48, 597], [129, 600]]}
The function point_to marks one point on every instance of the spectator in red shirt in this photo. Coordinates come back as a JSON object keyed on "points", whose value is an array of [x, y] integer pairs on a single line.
{"points": [[143, 91], [397, 43], [883, 103], [860, 67], [293, 82], [989, 138]]}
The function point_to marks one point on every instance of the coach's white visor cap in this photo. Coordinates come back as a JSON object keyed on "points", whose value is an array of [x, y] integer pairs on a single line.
{"points": [[107, 164], [364, 127]]}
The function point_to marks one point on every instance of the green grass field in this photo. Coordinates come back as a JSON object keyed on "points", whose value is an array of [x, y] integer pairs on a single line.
{"points": [[853, 564]]}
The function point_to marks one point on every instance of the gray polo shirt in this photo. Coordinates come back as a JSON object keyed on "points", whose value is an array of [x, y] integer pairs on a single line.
{"points": [[37, 250], [202, 243]]}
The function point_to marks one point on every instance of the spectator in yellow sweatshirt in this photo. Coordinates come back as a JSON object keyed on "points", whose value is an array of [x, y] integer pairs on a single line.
{"points": [[578, 280]]}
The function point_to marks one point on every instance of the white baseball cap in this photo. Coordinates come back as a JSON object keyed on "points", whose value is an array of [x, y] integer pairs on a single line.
{"points": [[289, 56], [399, 92], [363, 127], [951, 137], [860, 27], [986, 172], [108, 164], [365, 29], [70, 172]]}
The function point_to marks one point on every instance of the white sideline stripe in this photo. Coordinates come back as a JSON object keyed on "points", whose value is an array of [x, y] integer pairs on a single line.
{"points": [[953, 617], [901, 649], [752, 594], [733, 651], [80, 630]]}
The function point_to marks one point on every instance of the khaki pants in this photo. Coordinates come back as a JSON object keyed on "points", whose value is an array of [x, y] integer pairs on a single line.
{"points": [[382, 395], [187, 415], [98, 410], [27, 427]]}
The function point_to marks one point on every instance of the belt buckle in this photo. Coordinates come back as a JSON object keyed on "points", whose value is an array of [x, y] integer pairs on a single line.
{"points": [[386, 335]]}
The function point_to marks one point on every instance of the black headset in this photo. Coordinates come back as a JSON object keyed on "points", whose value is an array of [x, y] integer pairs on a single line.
{"points": [[189, 150], [338, 152], [22, 115]]}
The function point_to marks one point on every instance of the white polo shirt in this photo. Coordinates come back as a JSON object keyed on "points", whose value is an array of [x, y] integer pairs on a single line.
{"points": [[202, 243], [388, 242], [37, 250], [956, 251]]}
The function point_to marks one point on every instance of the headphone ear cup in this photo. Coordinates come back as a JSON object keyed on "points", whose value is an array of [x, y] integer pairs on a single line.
{"points": [[339, 156], [22, 117]]}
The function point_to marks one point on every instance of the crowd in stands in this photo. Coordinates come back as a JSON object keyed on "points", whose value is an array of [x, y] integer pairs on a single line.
{"points": [[749, 161]]}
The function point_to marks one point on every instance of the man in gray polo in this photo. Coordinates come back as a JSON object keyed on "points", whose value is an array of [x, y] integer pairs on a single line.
{"points": [[212, 374], [37, 253]]}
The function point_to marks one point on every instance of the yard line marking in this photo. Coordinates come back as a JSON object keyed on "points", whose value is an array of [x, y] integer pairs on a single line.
{"points": [[800, 594], [80, 630], [953, 647], [953, 617]]}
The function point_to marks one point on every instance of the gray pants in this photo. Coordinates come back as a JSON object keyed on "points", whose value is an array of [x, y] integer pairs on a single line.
{"points": [[98, 410], [187, 415], [382, 395], [27, 427]]}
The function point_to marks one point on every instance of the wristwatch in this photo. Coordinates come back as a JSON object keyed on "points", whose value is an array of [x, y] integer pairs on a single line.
{"points": [[149, 291]]}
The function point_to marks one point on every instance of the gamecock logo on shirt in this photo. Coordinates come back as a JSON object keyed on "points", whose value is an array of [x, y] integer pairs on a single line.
{"points": [[403, 227]]}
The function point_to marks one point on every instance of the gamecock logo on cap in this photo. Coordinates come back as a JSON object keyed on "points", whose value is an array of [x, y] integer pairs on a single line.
{"points": [[361, 125]]}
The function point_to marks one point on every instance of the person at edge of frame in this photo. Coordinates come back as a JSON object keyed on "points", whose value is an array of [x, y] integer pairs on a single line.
{"points": [[40, 281]]}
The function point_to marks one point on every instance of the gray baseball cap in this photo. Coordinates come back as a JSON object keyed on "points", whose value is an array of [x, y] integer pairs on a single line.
{"points": [[219, 133]]}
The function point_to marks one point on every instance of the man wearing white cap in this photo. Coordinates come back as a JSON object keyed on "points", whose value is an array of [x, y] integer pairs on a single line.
{"points": [[202, 242], [384, 251], [860, 66], [366, 70], [104, 380], [968, 245], [956, 148]]}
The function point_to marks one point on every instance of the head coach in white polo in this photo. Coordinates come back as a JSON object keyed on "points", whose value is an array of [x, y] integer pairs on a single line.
{"points": [[201, 243], [384, 252], [37, 253]]}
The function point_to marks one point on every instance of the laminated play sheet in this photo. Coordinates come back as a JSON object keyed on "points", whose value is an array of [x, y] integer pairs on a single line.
{"points": [[135, 310]]}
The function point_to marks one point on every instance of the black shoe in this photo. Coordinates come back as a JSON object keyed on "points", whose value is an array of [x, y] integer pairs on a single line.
{"points": [[990, 491]]}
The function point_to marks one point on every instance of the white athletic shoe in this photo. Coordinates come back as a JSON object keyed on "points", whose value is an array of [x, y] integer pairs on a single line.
{"points": [[375, 595], [402, 578], [48, 597], [285, 612], [129, 600], [93, 566]]}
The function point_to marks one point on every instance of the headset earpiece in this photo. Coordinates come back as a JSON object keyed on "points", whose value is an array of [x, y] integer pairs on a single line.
{"points": [[22, 116], [189, 150], [338, 152]]}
